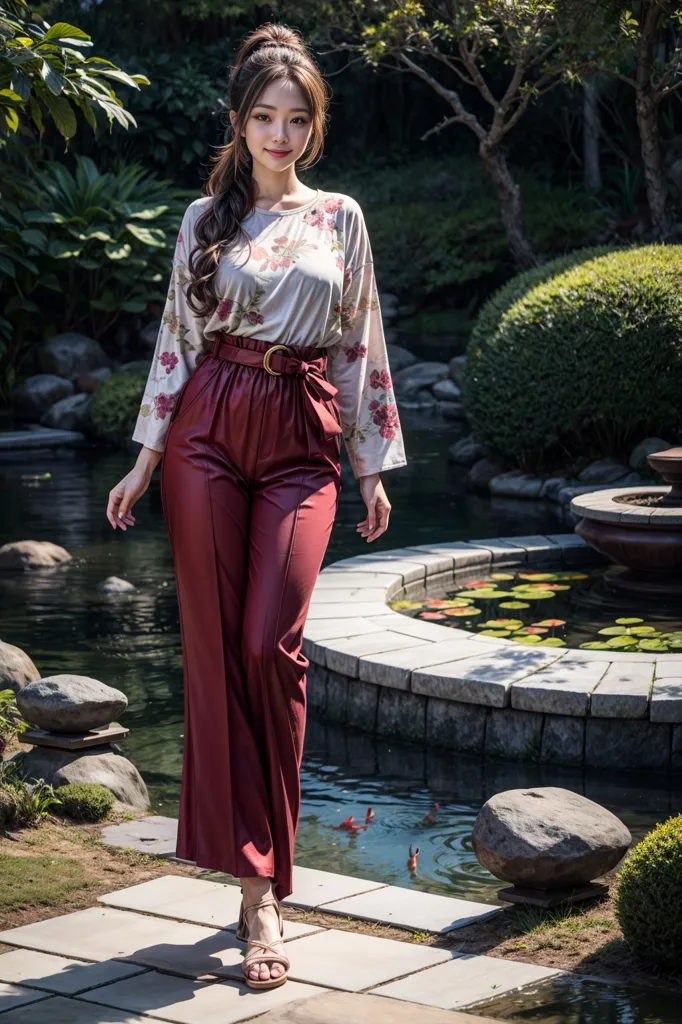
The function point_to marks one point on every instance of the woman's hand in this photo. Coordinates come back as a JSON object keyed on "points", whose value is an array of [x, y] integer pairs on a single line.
{"points": [[123, 496], [378, 507]]}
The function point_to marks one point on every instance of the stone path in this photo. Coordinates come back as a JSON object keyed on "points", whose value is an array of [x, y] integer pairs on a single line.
{"points": [[166, 950], [41, 437]]}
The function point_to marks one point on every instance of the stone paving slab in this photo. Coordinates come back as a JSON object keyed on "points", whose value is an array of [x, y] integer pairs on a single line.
{"points": [[343, 1007], [377, 562], [398, 623], [335, 578], [342, 655], [193, 900], [168, 998], [346, 610], [464, 555], [156, 835], [623, 692], [394, 668], [313, 887], [14, 996], [58, 1010], [328, 595], [482, 680], [409, 908], [465, 981], [58, 974], [352, 962], [332, 629], [561, 690], [666, 696]]}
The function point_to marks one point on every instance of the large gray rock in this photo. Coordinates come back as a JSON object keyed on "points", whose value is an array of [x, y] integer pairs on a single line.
{"points": [[69, 703], [467, 451], [548, 838], [399, 357], [516, 485], [19, 555], [638, 455], [68, 413], [70, 354], [34, 396], [413, 378], [447, 390], [458, 366], [16, 668], [115, 585], [60, 767], [603, 471], [483, 471]]}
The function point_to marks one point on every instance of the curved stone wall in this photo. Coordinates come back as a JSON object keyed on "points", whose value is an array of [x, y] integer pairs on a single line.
{"points": [[375, 669]]}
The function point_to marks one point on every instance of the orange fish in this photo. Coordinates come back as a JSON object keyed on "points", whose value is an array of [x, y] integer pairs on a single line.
{"points": [[348, 825], [431, 816], [412, 862], [369, 816]]}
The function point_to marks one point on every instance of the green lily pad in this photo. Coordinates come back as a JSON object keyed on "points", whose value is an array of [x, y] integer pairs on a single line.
{"points": [[553, 641], [527, 639], [462, 613], [512, 605], [622, 641], [538, 595], [644, 631], [502, 624], [501, 576], [594, 645], [652, 645], [613, 631], [537, 577], [629, 622], [495, 632]]}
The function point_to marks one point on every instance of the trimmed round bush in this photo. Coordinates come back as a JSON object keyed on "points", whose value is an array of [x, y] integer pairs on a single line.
{"points": [[649, 895], [587, 360], [115, 406], [85, 801]]}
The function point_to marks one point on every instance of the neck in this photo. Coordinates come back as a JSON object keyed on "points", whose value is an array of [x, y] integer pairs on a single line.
{"points": [[274, 185]]}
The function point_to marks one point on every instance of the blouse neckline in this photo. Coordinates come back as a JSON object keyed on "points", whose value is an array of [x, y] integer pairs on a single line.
{"points": [[286, 213]]}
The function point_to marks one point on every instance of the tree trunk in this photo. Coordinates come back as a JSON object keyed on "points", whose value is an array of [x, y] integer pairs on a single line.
{"points": [[511, 207], [591, 135], [646, 103]]}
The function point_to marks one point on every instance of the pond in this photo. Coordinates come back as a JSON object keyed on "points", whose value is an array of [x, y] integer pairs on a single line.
{"points": [[133, 642]]}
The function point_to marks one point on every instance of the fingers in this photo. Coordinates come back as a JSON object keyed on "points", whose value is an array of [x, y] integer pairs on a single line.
{"points": [[118, 508], [376, 521]]}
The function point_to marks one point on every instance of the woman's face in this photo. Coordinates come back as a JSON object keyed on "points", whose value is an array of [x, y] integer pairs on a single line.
{"points": [[279, 126]]}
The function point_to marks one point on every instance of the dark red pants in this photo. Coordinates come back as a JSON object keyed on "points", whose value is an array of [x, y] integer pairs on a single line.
{"points": [[250, 481]]}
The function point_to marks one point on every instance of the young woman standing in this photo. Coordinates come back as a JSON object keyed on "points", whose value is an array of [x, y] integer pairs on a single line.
{"points": [[271, 347]]}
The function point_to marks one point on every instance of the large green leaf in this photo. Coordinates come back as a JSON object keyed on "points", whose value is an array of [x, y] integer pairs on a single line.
{"points": [[62, 114], [149, 236], [62, 31]]}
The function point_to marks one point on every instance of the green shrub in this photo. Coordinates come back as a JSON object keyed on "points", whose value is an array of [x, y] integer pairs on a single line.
{"points": [[584, 363], [114, 408], [23, 801], [650, 893], [85, 801]]}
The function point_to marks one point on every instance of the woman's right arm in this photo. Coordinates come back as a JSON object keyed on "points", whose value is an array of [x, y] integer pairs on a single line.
{"points": [[178, 347]]}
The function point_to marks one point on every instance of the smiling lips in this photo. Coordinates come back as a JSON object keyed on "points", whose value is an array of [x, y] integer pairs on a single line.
{"points": [[278, 152]]}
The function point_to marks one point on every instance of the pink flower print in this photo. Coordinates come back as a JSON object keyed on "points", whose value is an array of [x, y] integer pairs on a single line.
{"points": [[169, 360], [347, 274], [225, 308], [355, 352], [164, 404], [333, 204], [180, 238], [314, 217], [259, 253], [380, 379], [339, 262], [255, 318], [386, 418]]}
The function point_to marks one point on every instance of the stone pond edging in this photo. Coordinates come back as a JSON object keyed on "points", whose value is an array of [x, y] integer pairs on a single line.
{"points": [[375, 669]]}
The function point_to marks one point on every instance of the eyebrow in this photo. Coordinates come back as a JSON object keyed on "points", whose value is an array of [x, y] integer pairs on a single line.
{"points": [[269, 106]]}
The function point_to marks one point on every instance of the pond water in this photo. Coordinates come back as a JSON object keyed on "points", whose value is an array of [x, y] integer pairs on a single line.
{"points": [[133, 642], [562, 608]]}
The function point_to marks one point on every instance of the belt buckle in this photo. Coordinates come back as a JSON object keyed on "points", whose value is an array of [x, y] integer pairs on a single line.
{"points": [[266, 359]]}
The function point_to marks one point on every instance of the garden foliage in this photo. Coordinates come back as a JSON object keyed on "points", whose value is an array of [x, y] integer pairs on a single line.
{"points": [[85, 801], [115, 406], [588, 361], [650, 893]]}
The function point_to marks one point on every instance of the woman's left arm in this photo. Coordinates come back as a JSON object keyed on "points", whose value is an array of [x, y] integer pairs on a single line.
{"points": [[358, 366]]}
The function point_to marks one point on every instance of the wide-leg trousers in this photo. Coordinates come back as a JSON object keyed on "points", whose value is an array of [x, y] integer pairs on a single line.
{"points": [[250, 483]]}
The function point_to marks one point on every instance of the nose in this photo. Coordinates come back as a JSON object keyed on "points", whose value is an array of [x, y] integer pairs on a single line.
{"points": [[279, 133]]}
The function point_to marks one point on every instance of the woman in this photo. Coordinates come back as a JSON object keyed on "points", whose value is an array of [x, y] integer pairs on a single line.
{"points": [[271, 346]]}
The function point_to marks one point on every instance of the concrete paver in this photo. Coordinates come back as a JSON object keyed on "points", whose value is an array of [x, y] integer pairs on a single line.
{"points": [[58, 1010], [408, 908], [313, 887], [343, 1007], [58, 974], [13, 996]]}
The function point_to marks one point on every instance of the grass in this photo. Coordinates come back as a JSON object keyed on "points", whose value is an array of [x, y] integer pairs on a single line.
{"points": [[39, 881]]}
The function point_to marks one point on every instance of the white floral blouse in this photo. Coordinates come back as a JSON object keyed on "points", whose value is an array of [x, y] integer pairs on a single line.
{"points": [[306, 277]]}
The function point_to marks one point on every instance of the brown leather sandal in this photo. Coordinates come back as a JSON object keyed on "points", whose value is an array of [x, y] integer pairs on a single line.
{"points": [[258, 952]]}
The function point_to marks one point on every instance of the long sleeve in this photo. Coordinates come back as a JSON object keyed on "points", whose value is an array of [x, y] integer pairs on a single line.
{"points": [[178, 346], [358, 364]]}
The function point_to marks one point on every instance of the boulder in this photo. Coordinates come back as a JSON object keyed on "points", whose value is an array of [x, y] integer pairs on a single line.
{"points": [[103, 766], [32, 554], [413, 378], [71, 354], [638, 455], [515, 485], [447, 390], [70, 703], [483, 471], [87, 383], [426, 399], [603, 471], [115, 585], [34, 396], [399, 357], [553, 485], [548, 838], [467, 451], [457, 369], [67, 414], [16, 668]]}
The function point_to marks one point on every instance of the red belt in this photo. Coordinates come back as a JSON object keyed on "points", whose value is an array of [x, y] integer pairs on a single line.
{"points": [[316, 388]]}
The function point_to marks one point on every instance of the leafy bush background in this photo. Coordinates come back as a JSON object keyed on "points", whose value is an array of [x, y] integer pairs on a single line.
{"points": [[115, 406]]}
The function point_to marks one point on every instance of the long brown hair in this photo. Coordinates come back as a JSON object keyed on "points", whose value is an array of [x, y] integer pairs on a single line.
{"points": [[268, 54]]}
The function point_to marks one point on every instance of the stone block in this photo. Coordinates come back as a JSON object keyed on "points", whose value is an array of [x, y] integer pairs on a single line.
{"points": [[627, 743], [414, 627], [75, 741], [455, 726], [395, 668], [337, 698], [666, 696], [559, 690], [502, 551], [563, 740], [516, 735], [623, 692], [362, 705], [485, 678], [463, 554], [343, 655], [401, 715], [316, 689]]}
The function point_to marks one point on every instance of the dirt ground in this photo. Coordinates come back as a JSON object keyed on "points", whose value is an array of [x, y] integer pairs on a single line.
{"points": [[57, 868]]}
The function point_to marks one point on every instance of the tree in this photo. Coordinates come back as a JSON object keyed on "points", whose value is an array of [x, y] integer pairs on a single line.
{"points": [[42, 69], [458, 48]]}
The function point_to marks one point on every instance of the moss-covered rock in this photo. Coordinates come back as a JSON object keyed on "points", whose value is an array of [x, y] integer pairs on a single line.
{"points": [[115, 406], [85, 801], [587, 359], [650, 894]]}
